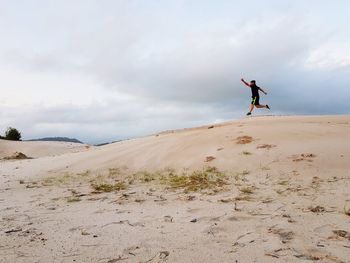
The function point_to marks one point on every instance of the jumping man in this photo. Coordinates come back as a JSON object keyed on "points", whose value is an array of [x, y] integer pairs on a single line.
{"points": [[255, 95]]}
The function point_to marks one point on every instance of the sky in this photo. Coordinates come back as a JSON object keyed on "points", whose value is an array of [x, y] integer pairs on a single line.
{"points": [[109, 70]]}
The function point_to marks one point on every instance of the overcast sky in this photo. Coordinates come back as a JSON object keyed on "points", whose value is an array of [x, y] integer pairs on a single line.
{"points": [[108, 70]]}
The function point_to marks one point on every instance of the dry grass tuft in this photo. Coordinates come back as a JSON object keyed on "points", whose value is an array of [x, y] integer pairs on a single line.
{"points": [[342, 233], [265, 146], [108, 187], [112, 172], [145, 177], [247, 190], [244, 198], [72, 199], [317, 209], [308, 155], [17, 156], [303, 157], [283, 182], [246, 153], [209, 178], [241, 175], [284, 235], [64, 179]]}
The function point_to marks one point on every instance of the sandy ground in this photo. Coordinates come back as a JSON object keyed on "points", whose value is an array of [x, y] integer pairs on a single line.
{"points": [[278, 192]]}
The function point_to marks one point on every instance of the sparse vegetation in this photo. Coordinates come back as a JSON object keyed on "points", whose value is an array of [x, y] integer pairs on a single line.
{"points": [[317, 209], [17, 156], [108, 187], [112, 172], [84, 174], [247, 190], [66, 178], [265, 146], [87, 177], [303, 157], [241, 175], [246, 153], [114, 179], [243, 198], [280, 191], [244, 172], [284, 235], [283, 182], [316, 183], [72, 199], [342, 233], [209, 178], [145, 176]]}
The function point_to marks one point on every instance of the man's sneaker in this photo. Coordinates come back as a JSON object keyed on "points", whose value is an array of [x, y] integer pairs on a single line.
{"points": [[267, 106], [249, 113]]}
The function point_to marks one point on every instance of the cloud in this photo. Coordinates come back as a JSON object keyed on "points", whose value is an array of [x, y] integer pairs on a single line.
{"points": [[122, 69], [109, 121]]}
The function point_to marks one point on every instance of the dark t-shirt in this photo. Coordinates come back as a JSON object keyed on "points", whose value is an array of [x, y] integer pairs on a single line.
{"points": [[255, 90]]}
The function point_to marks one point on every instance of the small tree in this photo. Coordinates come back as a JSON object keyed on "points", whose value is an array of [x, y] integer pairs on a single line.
{"points": [[12, 134]]}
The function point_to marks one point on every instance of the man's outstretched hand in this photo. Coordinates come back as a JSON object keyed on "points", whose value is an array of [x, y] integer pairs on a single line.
{"points": [[242, 79]]}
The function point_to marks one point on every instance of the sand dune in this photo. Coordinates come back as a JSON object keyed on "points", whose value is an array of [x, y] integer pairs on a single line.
{"points": [[263, 189], [36, 149]]}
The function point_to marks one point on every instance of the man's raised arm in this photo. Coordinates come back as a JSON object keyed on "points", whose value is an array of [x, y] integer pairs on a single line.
{"points": [[247, 84], [263, 91]]}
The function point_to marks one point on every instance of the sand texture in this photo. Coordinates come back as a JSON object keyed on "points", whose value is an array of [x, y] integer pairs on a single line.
{"points": [[260, 189]]}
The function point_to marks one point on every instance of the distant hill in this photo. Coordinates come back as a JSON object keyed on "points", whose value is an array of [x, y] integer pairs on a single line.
{"points": [[57, 139], [106, 143]]}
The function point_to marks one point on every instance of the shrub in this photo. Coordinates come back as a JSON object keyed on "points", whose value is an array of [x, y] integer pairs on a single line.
{"points": [[12, 134]]}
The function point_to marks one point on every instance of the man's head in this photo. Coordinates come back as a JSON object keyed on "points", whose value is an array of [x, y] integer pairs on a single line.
{"points": [[252, 82]]}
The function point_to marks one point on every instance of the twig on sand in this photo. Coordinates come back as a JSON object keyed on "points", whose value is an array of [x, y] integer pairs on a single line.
{"points": [[13, 230], [116, 259], [271, 255], [119, 223]]}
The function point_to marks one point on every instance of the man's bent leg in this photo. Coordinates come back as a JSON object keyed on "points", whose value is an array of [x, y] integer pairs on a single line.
{"points": [[260, 106]]}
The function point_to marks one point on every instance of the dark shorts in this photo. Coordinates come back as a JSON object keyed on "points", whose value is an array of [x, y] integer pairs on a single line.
{"points": [[255, 100]]}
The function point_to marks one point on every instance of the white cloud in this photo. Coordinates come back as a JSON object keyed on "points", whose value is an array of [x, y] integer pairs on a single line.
{"points": [[104, 71]]}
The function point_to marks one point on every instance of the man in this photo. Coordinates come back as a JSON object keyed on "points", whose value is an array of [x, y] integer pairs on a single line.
{"points": [[255, 95]]}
